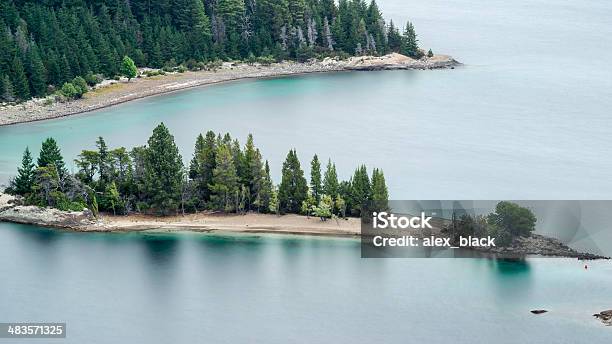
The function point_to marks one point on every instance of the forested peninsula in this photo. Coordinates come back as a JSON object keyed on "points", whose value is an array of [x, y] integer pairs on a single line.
{"points": [[221, 177], [66, 47]]}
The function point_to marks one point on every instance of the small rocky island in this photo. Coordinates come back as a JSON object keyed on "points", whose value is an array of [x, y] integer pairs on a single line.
{"points": [[605, 317]]}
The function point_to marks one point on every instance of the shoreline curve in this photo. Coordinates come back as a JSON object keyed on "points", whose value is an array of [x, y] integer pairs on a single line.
{"points": [[120, 92]]}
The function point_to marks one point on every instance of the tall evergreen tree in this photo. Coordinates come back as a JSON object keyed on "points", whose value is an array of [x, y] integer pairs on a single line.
{"points": [[267, 189], [163, 172], [380, 194], [330, 180], [50, 154], [410, 45], [224, 185], [315, 178], [361, 189], [293, 189], [22, 184], [7, 92], [20, 81]]}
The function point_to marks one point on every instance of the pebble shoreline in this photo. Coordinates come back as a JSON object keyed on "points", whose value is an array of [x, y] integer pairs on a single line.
{"points": [[123, 91]]}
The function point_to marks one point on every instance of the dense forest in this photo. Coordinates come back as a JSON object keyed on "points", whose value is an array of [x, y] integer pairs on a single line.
{"points": [[46, 43], [222, 176]]}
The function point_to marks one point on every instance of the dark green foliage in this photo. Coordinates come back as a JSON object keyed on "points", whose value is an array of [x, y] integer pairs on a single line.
{"points": [[50, 154], [51, 42], [221, 176], [69, 91], [202, 166], [507, 222], [512, 218], [410, 45], [163, 172], [7, 93], [315, 178], [379, 187], [330, 180], [20, 81], [22, 184], [224, 186], [293, 189], [80, 85], [430, 53], [361, 190]]}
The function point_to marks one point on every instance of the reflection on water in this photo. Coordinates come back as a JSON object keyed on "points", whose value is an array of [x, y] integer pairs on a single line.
{"points": [[191, 287]]}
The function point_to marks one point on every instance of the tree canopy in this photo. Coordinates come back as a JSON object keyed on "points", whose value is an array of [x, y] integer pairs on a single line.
{"points": [[45, 44]]}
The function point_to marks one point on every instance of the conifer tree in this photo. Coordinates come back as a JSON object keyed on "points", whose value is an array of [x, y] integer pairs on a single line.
{"points": [[380, 194], [50, 154], [36, 72], [330, 180], [224, 185], [293, 189], [361, 189], [22, 184], [267, 188], [8, 93], [315, 178], [163, 172], [20, 81], [410, 45]]}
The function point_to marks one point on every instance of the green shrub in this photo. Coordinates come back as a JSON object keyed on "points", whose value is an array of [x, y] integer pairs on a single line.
{"points": [[69, 91], [80, 85], [266, 60], [93, 79]]}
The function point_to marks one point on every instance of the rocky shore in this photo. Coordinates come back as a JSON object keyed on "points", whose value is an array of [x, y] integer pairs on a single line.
{"points": [[117, 92], [12, 211], [540, 245], [605, 317]]}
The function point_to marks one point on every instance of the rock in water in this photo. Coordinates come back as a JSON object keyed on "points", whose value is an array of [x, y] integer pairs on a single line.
{"points": [[539, 311], [605, 317]]}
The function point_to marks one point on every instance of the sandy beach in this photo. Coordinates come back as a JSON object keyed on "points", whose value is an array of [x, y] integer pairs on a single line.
{"points": [[247, 223], [117, 92]]}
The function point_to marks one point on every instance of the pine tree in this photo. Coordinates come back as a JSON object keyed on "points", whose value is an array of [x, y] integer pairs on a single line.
{"points": [[410, 45], [224, 186], [361, 190], [36, 72], [104, 163], [267, 188], [163, 172], [315, 178], [50, 154], [380, 194], [293, 189], [8, 93], [330, 180], [22, 184], [20, 81]]}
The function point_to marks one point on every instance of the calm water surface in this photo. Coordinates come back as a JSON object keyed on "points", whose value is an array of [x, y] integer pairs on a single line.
{"points": [[194, 288], [527, 117]]}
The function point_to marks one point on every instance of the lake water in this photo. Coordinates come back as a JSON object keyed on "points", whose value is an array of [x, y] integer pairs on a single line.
{"points": [[194, 288], [527, 117]]}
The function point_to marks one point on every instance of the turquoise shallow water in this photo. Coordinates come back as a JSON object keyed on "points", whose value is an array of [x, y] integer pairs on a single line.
{"points": [[194, 288]]}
